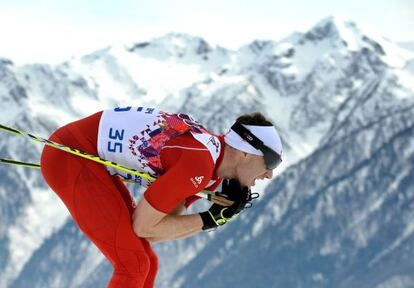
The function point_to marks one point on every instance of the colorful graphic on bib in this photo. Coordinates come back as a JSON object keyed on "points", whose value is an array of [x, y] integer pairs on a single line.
{"points": [[147, 144]]}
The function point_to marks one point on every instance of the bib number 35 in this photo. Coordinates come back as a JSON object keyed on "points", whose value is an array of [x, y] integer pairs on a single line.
{"points": [[115, 144]]}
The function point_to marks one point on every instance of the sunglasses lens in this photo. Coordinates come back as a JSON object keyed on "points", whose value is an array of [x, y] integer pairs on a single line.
{"points": [[272, 159]]}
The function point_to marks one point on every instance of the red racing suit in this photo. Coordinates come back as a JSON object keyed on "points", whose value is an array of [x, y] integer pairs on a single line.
{"points": [[184, 158]]}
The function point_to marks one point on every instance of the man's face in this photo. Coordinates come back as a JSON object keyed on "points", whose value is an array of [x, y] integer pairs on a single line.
{"points": [[251, 168]]}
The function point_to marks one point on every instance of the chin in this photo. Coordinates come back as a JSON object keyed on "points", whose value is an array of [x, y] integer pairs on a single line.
{"points": [[243, 183], [246, 182], [250, 184]]}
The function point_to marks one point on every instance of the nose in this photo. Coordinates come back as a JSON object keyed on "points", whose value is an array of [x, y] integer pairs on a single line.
{"points": [[269, 174]]}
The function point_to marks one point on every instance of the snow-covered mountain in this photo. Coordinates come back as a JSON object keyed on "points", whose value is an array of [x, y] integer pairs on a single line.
{"points": [[407, 45], [340, 211], [343, 216]]}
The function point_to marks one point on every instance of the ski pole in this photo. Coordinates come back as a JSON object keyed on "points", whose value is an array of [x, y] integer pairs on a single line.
{"points": [[36, 166], [209, 195], [77, 152], [20, 163]]}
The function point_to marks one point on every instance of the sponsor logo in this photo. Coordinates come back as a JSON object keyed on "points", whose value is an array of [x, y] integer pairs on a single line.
{"points": [[197, 180], [213, 141]]}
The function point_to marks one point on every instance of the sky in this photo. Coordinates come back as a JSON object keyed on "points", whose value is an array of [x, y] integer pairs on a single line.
{"points": [[53, 31]]}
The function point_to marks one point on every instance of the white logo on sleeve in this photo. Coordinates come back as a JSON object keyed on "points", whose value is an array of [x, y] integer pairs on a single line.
{"points": [[197, 180]]}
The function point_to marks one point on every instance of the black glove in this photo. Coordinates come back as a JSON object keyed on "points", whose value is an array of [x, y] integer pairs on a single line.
{"points": [[219, 215], [231, 190]]}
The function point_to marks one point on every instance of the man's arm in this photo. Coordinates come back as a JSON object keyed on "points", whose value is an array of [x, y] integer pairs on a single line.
{"points": [[157, 226], [188, 171], [179, 210]]}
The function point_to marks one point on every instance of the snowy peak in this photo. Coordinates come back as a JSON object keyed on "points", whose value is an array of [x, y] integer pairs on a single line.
{"points": [[259, 46], [4, 61], [332, 42], [343, 33], [407, 45], [175, 45], [299, 52], [12, 94], [149, 71], [309, 76], [340, 33], [336, 29], [96, 55], [345, 36]]}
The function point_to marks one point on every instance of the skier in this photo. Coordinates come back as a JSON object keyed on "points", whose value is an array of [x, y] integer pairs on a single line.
{"points": [[185, 158]]}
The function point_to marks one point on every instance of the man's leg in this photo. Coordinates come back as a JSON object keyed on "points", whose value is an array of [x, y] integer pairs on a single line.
{"points": [[100, 212], [129, 201], [152, 274]]}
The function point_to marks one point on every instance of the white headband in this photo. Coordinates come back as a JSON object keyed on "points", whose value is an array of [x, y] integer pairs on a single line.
{"points": [[267, 134]]}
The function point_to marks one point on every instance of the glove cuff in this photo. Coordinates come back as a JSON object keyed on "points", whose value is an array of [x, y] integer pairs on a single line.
{"points": [[208, 221]]}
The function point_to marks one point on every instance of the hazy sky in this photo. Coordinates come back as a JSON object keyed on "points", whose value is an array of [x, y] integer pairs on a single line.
{"points": [[54, 30]]}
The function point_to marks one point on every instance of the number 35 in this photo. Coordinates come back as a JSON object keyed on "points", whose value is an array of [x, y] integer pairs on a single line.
{"points": [[114, 134]]}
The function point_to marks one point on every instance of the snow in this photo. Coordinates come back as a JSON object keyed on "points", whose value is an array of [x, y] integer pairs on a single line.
{"points": [[347, 33], [318, 277], [6, 117], [85, 106], [31, 229], [304, 64], [259, 225], [398, 281], [410, 66], [409, 222], [408, 231], [156, 71], [280, 108], [330, 247], [273, 211], [44, 110], [159, 78], [407, 83], [93, 258], [210, 265], [395, 56]]}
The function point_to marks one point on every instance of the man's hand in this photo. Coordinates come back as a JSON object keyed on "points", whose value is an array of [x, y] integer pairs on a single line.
{"points": [[219, 215], [232, 191]]}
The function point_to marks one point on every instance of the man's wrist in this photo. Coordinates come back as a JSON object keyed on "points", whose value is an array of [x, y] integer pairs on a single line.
{"points": [[214, 217], [208, 221]]}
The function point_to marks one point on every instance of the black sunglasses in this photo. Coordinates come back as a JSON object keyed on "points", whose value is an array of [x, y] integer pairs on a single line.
{"points": [[272, 159]]}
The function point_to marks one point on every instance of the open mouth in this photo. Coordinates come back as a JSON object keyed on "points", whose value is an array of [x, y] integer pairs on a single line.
{"points": [[254, 182]]}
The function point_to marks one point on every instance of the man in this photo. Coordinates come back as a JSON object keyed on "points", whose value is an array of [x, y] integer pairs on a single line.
{"points": [[183, 156]]}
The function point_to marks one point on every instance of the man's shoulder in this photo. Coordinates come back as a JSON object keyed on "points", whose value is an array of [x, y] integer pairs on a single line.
{"points": [[184, 141], [211, 142], [207, 145]]}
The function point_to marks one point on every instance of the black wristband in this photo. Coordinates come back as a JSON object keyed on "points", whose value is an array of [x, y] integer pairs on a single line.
{"points": [[208, 222]]}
